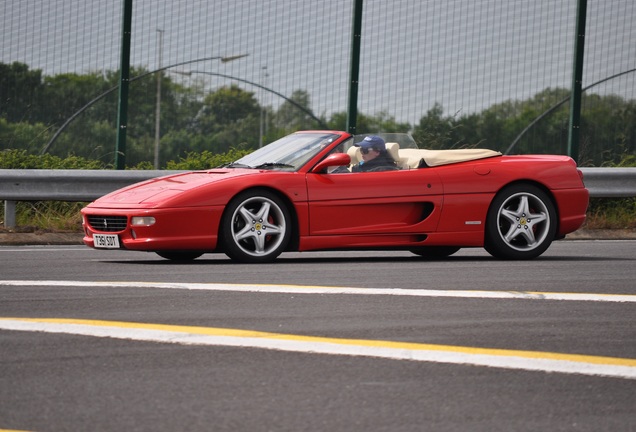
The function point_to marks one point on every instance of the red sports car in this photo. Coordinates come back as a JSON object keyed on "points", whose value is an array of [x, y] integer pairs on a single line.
{"points": [[299, 194]]}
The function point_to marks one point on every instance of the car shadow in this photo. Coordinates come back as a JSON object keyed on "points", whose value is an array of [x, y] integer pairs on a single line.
{"points": [[335, 260]]}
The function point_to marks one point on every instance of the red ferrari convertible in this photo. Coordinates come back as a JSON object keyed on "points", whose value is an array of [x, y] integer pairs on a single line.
{"points": [[299, 194]]}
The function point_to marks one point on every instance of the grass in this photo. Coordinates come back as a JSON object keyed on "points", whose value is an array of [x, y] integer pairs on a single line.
{"points": [[611, 213], [47, 216]]}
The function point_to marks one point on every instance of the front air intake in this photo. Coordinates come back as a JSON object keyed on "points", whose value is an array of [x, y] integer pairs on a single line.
{"points": [[107, 223]]}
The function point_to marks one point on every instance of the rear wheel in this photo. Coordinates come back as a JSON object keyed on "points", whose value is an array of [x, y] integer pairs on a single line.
{"points": [[179, 256], [256, 227], [521, 223], [435, 251]]}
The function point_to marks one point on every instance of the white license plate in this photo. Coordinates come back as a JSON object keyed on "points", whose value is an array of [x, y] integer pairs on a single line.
{"points": [[106, 241]]}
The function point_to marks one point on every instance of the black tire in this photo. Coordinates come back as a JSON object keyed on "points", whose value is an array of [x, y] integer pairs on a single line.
{"points": [[435, 251], [521, 223], [256, 227], [179, 256]]}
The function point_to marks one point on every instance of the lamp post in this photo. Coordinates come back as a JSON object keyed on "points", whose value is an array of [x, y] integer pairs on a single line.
{"points": [[158, 107], [262, 127]]}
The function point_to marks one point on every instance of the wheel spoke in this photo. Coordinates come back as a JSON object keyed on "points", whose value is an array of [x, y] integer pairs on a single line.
{"points": [[524, 207], [263, 217], [247, 216], [512, 216], [246, 232], [537, 218], [528, 233], [272, 229], [260, 240], [512, 233], [263, 213]]}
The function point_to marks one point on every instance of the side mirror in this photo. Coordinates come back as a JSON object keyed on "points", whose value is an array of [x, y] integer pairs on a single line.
{"points": [[336, 159]]}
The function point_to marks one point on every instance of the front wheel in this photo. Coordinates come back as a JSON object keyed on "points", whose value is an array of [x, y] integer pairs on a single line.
{"points": [[521, 223], [256, 227]]}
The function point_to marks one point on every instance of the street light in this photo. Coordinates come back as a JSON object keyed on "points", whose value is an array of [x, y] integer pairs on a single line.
{"points": [[261, 123], [158, 108], [112, 89]]}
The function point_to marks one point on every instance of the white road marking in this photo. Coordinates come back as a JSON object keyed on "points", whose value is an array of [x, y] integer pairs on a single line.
{"points": [[301, 289], [39, 248], [187, 335]]}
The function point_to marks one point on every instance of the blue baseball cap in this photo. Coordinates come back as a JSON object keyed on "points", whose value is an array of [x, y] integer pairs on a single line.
{"points": [[372, 141]]}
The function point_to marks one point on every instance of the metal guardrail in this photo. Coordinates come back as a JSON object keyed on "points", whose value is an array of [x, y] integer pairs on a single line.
{"points": [[68, 185], [610, 182], [63, 185], [87, 185]]}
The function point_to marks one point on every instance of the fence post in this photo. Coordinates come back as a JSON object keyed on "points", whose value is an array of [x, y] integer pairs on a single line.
{"points": [[577, 82], [124, 80], [352, 112]]}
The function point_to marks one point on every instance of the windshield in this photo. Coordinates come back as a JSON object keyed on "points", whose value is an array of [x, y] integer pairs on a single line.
{"points": [[288, 153]]}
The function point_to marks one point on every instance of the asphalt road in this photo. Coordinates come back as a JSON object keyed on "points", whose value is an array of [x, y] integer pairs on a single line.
{"points": [[112, 340]]}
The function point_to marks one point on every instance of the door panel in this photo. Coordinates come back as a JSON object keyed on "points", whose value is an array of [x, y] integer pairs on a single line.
{"points": [[402, 201]]}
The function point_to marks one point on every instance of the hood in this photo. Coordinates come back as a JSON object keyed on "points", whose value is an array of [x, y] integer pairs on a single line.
{"points": [[150, 192]]}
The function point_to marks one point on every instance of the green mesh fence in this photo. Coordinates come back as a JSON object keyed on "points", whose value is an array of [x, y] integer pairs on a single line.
{"points": [[451, 73]]}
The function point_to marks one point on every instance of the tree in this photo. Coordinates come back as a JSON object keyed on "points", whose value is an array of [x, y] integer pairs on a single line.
{"points": [[380, 122], [64, 94], [20, 90], [436, 131], [290, 118], [23, 135], [229, 118]]}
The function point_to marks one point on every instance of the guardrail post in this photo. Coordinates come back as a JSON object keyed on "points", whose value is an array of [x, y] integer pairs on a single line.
{"points": [[9, 214]]}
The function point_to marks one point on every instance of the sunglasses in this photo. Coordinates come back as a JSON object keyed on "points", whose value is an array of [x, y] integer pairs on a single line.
{"points": [[365, 150]]}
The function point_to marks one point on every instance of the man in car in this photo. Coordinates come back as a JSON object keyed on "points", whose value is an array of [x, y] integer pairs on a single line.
{"points": [[374, 155]]}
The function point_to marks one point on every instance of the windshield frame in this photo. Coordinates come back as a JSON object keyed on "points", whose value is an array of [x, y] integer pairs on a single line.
{"points": [[293, 152]]}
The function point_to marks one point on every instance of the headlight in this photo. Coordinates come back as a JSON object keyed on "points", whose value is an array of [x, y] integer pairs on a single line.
{"points": [[142, 221]]}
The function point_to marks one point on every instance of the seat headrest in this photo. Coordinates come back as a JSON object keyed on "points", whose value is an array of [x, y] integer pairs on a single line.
{"points": [[354, 154], [393, 149]]}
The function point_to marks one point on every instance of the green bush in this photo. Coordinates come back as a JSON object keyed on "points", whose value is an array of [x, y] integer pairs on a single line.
{"points": [[206, 160], [21, 159]]}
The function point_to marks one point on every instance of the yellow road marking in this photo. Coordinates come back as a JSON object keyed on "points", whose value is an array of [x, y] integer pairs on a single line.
{"points": [[511, 359]]}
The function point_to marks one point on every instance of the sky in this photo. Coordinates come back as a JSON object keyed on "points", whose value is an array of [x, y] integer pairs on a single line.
{"points": [[465, 55]]}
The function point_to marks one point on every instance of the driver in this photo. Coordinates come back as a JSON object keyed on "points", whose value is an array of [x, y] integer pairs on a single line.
{"points": [[374, 155]]}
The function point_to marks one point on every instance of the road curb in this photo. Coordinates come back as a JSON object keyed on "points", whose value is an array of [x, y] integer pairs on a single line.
{"points": [[26, 239]]}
